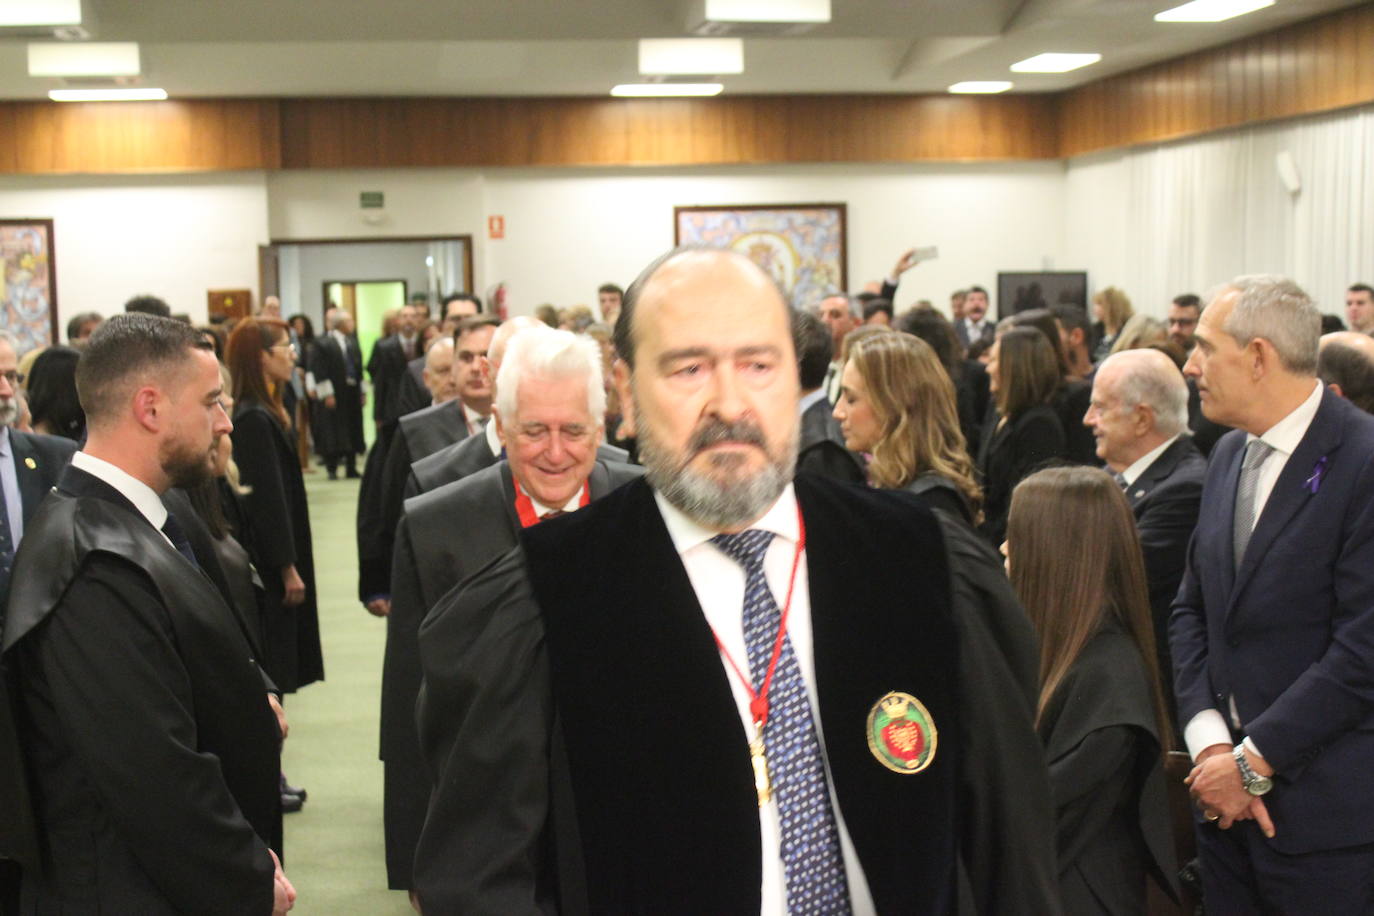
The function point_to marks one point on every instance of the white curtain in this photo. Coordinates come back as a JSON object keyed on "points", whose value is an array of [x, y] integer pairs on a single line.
{"points": [[1185, 216]]}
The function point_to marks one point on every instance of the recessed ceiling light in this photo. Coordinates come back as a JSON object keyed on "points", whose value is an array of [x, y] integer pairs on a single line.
{"points": [[107, 95], [767, 10], [666, 90], [1211, 10], [1054, 63], [85, 58], [987, 87], [40, 12], [691, 56]]}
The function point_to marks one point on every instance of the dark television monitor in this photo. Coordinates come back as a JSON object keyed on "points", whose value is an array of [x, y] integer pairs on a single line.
{"points": [[1018, 291]]}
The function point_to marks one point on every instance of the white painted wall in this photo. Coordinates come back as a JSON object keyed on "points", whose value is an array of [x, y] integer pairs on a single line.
{"points": [[304, 268], [175, 236]]}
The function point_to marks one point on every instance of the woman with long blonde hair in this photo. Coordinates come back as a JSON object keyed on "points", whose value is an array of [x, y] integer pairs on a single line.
{"points": [[1101, 713], [897, 403]]}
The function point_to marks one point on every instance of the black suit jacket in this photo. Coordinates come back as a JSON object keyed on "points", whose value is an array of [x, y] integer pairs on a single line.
{"points": [[38, 463], [1010, 453], [337, 430], [821, 448], [503, 829], [386, 366], [1165, 500], [125, 654], [445, 536], [961, 331]]}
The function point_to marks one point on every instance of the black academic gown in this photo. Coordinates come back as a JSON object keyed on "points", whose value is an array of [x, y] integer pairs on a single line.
{"points": [[1111, 810], [412, 395], [267, 463], [445, 536], [127, 655], [588, 752]]}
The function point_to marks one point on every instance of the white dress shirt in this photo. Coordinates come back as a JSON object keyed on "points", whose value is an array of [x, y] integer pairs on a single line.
{"points": [[1209, 727], [9, 479], [144, 497], [719, 585], [1142, 464], [473, 419], [493, 440]]}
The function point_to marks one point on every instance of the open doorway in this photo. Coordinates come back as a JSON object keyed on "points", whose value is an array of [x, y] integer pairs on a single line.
{"points": [[367, 301]]}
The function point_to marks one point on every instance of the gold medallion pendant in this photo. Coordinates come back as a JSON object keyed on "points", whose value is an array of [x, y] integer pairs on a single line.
{"points": [[901, 733]]}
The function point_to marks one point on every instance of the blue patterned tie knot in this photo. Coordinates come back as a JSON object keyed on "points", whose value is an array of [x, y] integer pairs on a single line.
{"points": [[810, 844]]}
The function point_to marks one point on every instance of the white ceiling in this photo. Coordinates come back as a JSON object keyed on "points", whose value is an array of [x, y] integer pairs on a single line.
{"points": [[583, 47]]}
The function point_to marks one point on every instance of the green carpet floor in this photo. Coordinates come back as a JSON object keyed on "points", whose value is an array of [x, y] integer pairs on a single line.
{"points": [[334, 846]]}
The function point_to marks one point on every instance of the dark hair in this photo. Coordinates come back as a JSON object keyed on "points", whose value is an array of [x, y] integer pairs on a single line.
{"points": [[610, 288], [624, 322], [148, 305], [53, 400], [978, 348], [1361, 288], [1072, 317], [308, 335], [1348, 367], [1188, 301], [1027, 373], [252, 338], [125, 350], [1332, 323], [815, 349], [468, 325], [937, 331], [215, 334], [874, 306], [74, 326], [461, 297], [1069, 594], [1043, 321], [976, 289]]}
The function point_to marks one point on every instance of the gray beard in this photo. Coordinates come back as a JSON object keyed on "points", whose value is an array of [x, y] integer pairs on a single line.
{"points": [[9, 411], [709, 502]]}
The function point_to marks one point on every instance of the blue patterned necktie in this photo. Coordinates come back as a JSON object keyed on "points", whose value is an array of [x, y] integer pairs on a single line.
{"points": [[6, 548], [177, 535], [811, 855]]}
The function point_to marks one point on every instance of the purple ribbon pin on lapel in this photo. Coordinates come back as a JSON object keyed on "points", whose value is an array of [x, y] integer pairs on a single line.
{"points": [[1318, 472]]}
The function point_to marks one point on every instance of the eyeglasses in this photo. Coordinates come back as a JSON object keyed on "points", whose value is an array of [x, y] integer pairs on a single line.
{"points": [[13, 377], [287, 345]]}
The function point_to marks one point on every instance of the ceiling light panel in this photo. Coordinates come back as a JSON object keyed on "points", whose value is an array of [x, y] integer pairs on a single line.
{"points": [[980, 87], [1054, 62], [1211, 10], [665, 90], [86, 58], [691, 56], [39, 12], [107, 95], [768, 10]]}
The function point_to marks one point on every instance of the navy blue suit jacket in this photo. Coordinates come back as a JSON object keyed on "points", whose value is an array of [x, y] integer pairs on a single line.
{"points": [[1290, 634]]}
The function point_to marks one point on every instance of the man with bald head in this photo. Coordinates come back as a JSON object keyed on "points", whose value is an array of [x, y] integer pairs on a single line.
{"points": [[1345, 364], [675, 700], [1139, 417]]}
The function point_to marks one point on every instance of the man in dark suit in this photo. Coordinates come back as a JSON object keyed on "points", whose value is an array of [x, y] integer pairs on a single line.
{"points": [[1139, 418], [1273, 623], [841, 315], [418, 435], [975, 325], [29, 468], [151, 746], [645, 760], [821, 447], [336, 379], [386, 365], [449, 533], [1346, 366]]}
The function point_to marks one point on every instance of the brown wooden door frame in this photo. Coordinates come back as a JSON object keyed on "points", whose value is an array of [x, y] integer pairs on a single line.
{"points": [[350, 304]]}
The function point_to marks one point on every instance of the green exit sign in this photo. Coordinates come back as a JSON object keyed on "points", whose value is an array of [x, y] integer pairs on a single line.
{"points": [[372, 200]]}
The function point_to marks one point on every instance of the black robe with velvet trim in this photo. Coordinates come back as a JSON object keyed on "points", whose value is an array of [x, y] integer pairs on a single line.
{"points": [[588, 752], [126, 655]]}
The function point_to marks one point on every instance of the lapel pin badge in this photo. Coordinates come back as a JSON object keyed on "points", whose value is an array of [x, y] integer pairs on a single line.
{"points": [[30, 464], [901, 733], [1314, 482]]}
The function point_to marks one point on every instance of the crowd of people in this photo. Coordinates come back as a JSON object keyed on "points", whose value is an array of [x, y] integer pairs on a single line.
{"points": [[648, 571]]}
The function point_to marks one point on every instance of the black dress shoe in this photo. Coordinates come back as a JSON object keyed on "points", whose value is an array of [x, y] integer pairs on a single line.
{"points": [[287, 789], [352, 474], [290, 804]]}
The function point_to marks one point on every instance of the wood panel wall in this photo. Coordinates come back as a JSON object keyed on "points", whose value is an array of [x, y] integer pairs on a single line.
{"points": [[38, 138], [1320, 65], [1315, 66]]}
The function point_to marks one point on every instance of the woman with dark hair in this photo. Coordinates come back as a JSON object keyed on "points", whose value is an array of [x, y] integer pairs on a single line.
{"points": [[1024, 431], [304, 336], [1072, 397], [1101, 713], [897, 403], [970, 377], [54, 407], [261, 360]]}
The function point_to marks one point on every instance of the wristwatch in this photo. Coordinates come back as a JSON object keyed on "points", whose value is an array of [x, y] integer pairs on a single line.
{"points": [[1255, 784]]}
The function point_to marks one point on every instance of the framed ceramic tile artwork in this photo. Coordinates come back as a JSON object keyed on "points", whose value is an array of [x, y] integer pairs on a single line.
{"points": [[28, 299]]}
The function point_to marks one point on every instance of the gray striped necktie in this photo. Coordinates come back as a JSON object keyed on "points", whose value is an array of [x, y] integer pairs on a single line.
{"points": [[1255, 453]]}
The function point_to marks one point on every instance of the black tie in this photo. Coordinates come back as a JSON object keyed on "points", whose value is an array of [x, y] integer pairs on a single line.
{"points": [[6, 547], [172, 528]]}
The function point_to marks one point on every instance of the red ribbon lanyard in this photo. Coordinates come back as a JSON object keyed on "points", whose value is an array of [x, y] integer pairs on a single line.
{"points": [[758, 699], [524, 506]]}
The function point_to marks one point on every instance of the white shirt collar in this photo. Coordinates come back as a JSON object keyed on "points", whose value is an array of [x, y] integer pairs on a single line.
{"points": [[1142, 463], [1285, 435], [572, 505], [144, 497], [809, 399], [781, 519], [493, 440], [473, 418], [4, 441]]}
